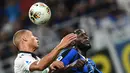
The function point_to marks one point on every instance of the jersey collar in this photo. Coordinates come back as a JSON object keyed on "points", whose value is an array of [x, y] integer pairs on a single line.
{"points": [[33, 55]]}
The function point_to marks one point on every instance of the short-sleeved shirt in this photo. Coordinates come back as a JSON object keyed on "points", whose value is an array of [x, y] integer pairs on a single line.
{"points": [[23, 62]]}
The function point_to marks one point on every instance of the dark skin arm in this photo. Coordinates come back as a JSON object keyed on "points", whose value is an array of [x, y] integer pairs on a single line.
{"points": [[49, 58]]}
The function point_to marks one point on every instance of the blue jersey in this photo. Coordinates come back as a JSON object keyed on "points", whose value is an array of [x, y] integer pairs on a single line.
{"points": [[68, 56]]}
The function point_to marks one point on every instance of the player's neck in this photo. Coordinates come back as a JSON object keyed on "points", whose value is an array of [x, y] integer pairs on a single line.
{"points": [[25, 48]]}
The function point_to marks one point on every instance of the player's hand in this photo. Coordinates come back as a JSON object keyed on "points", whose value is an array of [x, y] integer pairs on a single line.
{"points": [[67, 40], [78, 63], [56, 65]]}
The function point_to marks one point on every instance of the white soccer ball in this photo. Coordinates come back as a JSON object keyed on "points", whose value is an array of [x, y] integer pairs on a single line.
{"points": [[39, 13]]}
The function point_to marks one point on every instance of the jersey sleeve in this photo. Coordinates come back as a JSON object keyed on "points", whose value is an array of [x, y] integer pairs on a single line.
{"points": [[18, 64], [27, 61], [67, 56]]}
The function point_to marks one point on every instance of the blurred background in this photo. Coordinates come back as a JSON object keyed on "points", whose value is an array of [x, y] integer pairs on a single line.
{"points": [[106, 21]]}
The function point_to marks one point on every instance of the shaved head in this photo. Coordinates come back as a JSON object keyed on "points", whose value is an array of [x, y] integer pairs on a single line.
{"points": [[25, 40], [18, 36]]}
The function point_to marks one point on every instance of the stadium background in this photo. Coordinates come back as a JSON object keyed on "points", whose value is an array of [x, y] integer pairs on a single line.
{"points": [[106, 21]]}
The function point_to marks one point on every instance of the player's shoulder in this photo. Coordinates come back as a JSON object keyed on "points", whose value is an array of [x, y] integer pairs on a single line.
{"points": [[21, 57], [65, 51], [18, 59]]}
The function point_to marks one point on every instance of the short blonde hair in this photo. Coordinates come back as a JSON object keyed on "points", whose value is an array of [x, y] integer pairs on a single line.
{"points": [[17, 36]]}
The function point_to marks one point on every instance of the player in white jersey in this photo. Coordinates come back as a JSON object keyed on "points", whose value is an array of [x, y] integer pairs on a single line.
{"points": [[27, 61]]}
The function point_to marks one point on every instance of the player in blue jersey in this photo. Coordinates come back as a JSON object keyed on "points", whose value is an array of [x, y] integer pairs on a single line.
{"points": [[77, 50]]}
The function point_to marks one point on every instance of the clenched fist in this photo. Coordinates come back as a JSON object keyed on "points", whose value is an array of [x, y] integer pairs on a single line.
{"points": [[56, 65], [77, 64]]}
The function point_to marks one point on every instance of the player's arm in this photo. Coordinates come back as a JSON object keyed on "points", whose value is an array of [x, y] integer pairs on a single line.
{"points": [[49, 58], [76, 64]]}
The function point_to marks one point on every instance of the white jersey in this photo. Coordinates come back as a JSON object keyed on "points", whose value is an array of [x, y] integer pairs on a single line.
{"points": [[23, 62]]}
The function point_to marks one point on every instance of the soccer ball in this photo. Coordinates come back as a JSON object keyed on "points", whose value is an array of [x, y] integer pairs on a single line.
{"points": [[39, 13]]}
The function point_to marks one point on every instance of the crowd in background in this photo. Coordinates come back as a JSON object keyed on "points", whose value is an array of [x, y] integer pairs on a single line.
{"points": [[97, 14]]}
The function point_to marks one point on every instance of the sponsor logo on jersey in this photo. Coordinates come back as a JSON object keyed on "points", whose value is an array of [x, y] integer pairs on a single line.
{"points": [[28, 62], [59, 58]]}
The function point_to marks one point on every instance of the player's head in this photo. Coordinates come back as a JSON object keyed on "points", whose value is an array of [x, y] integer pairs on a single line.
{"points": [[25, 38], [82, 41]]}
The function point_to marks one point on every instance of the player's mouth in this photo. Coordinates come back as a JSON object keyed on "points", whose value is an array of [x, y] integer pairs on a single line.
{"points": [[38, 42]]}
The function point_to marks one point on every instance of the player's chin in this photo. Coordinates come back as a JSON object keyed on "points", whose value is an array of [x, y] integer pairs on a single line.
{"points": [[36, 47]]}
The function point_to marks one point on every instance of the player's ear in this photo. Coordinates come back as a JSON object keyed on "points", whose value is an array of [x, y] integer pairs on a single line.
{"points": [[73, 43], [24, 38]]}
